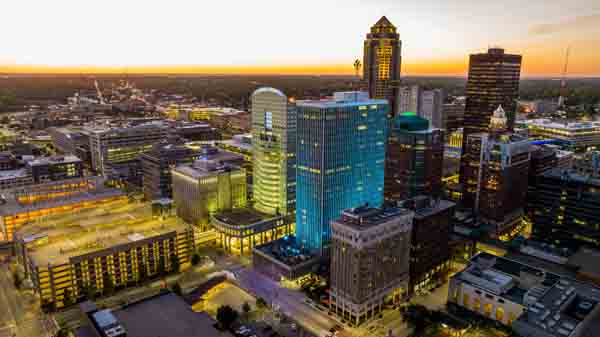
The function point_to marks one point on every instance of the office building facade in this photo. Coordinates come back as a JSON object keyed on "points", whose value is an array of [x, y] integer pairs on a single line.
{"points": [[452, 116], [205, 188], [496, 174], [55, 168], [382, 61], [369, 261], [340, 161], [274, 152], [414, 158], [566, 209]]}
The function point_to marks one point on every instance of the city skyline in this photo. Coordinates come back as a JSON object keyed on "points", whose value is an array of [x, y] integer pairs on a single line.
{"points": [[267, 38]]}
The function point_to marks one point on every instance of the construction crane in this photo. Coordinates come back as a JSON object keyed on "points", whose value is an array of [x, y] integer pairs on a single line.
{"points": [[99, 92], [563, 81]]}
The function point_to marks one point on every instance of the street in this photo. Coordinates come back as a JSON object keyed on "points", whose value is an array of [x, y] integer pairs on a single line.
{"points": [[20, 315]]}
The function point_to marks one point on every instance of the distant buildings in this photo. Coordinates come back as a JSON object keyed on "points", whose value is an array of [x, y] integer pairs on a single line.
{"points": [[409, 99], [382, 61], [115, 151], [452, 116], [577, 135], [566, 209], [369, 261], [414, 158], [15, 178], [495, 174], [340, 161], [205, 188], [274, 152], [44, 169], [428, 104]]}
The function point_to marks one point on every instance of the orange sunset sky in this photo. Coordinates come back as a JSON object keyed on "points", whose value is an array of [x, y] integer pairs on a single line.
{"points": [[290, 37]]}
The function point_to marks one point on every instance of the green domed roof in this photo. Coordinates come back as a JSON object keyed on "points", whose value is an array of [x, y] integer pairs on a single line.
{"points": [[409, 121]]}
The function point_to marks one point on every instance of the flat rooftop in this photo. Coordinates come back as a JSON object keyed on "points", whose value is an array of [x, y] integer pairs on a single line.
{"points": [[204, 168], [434, 208], [563, 126], [572, 175], [12, 174], [361, 218], [66, 159], [164, 315], [287, 251], [241, 217], [56, 239], [12, 206]]}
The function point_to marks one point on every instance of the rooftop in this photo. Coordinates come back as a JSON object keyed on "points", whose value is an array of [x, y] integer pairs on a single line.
{"points": [[287, 251], [9, 199], [241, 217], [364, 217], [66, 159], [164, 315], [342, 99], [571, 175], [56, 239], [562, 126], [204, 168], [13, 174]]}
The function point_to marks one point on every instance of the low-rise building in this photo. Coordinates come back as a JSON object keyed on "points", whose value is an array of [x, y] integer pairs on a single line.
{"points": [[15, 178], [205, 188], [369, 261], [70, 261], [577, 135], [45, 169], [25, 205]]}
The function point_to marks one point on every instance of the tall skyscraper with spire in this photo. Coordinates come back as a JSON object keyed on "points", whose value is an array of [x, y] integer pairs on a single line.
{"points": [[382, 61]]}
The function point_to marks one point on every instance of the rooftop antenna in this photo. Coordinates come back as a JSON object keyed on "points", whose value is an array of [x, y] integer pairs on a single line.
{"points": [[563, 81]]}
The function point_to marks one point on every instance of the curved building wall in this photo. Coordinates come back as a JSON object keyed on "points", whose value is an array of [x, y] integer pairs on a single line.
{"points": [[274, 145]]}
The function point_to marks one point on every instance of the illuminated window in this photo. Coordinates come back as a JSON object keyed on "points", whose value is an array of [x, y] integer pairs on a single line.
{"points": [[268, 121]]}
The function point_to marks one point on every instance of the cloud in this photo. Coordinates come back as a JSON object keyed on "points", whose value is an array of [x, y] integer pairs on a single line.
{"points": [[576, 24]]}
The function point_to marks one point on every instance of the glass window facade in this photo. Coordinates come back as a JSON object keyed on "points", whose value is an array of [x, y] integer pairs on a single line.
{"points": [[340, 162]]}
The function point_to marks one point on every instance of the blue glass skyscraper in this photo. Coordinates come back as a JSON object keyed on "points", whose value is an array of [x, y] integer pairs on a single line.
{"points": [[340, 161]]}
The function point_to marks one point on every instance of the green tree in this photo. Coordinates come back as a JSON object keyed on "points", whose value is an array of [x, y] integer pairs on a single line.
{"points": [[176, 288], [226, 316], [261, 303], [195, 259], [68, 299], [246, 308], [17, 281], [63, 332], [175, 265]]}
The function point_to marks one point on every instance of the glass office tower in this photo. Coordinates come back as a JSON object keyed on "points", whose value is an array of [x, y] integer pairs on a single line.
{"points": [[274, 150], [340, 161]]}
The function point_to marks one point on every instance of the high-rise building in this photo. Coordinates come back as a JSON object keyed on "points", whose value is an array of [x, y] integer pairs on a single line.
{"points": [[496, 173], [382, 61], [452, 116], [566, 209], [409, 99], [274, 152], [430, 237], [369, 261], [432, 104], [493, 80], [205, 188], [340, 161], [414, 158]]}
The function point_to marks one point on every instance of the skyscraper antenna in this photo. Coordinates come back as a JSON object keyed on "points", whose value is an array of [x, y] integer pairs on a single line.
{"points": [[563, 80]]}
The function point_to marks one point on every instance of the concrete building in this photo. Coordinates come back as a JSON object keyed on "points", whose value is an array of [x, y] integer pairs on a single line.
{"points": [[578, 136], [15, 178], [430, 237], [25, 205], [194, 131], [566, 209], [274, 152], [432, 107], [340, 161], [45, 169], [382, 61], [495, 177], [369, 261], [588, 164], [156, 167], [453, 116], [116, 150], [205, 188], [409, 99], [95, 257], [240, 230], [414, 158]]}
